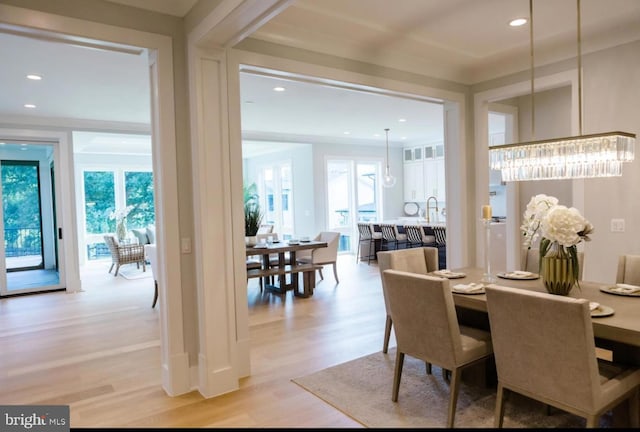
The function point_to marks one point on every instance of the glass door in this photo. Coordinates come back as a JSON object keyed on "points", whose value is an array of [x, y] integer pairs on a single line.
{"points": [[352, 197], [275, 191], [30, 247]]}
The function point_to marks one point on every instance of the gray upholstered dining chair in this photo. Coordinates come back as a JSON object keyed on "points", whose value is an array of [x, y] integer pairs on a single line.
{"points": [[628, 269], [415, 260], [530, 261], [426, 328], [545, 350]]}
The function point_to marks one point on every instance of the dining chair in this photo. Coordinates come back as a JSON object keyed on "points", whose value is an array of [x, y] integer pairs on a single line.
{"points": [[415, 260], [322, 256], [367, 237], [391, 237], [426, 328], [628, 269], [122, 254], [530, 261], [545, 350], [254, 262], [265, 229]]}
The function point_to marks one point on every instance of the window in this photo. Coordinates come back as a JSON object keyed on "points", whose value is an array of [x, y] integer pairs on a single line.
{"points": [[353, 190], [276, 186], [107, 191]]}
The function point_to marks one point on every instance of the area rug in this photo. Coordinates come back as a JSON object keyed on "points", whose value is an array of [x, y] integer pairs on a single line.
{"points": [[131, 272], [361, 389]]}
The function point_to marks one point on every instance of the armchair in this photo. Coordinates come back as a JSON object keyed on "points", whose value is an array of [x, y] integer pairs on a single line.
{"points": [[124, 254], [322, 256]]}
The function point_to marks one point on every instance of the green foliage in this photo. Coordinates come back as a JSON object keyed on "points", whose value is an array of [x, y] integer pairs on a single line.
{"points": [[139, 194], [99, 190], [252, 212], [100, 201]]}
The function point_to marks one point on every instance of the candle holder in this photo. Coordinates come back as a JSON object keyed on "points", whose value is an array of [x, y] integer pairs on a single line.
{"points": [[487, 277]]}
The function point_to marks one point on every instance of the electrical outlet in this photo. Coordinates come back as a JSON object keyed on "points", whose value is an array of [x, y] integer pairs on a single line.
{"points": [[617, 225]]}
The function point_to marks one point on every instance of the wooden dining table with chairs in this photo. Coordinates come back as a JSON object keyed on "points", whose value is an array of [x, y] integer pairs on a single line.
{"points": [[287, 269]]}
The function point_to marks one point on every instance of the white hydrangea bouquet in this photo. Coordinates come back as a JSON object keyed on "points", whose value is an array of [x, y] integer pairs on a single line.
{"points": [[121, 220], [560, 228]]}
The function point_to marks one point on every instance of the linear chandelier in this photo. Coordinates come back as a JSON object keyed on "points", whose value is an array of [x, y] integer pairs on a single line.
{"points": [[582, 156]]}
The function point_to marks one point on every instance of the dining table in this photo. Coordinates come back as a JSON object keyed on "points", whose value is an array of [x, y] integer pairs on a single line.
{"points": [[616, 319], [286, 266]]}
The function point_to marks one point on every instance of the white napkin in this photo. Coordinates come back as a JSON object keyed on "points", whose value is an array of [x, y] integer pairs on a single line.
{"points": [[626, 288], [593, 305], [520, 273], [472, 287], [447, 273]]}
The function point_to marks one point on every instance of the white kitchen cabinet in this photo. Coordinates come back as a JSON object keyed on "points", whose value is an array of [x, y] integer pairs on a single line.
{"points": [[424, 173], [413, 181]]}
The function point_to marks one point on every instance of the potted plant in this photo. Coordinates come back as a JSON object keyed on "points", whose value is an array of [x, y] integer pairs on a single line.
{"points": [[252, 214]]}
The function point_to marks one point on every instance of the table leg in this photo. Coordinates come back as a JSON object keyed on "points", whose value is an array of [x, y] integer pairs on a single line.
{"points": [[308, 284]]}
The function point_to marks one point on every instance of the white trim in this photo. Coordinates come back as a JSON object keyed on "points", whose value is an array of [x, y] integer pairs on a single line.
{"points": [[65, 201], [219, 367], [456, 176], [175, 376]]}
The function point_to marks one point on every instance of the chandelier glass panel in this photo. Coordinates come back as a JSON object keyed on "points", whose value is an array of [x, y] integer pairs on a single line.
{"points": [[582, 156]]}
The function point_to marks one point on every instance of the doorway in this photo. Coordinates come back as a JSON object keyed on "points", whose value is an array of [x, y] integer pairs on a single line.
{"points": [[352, 197], [30, 247]]}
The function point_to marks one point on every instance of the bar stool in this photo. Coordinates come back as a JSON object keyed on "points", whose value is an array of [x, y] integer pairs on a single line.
{"points": [[392, 237], [368, 236], [416, 236]]}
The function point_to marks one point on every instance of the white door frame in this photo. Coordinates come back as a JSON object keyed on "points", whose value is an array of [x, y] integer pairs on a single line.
{"points": [[174, 358]]}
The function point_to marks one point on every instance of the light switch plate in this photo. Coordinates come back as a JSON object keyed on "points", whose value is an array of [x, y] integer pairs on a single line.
{"points": [[617, 225], [185, 245]]}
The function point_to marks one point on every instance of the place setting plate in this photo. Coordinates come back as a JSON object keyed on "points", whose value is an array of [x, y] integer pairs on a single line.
{"points": [[468, 289], [518, 275], [449, 274], [598, 310], [622, 289]]}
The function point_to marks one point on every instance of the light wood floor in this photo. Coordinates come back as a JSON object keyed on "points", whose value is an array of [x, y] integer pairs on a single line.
{"points": [[98, 352]]}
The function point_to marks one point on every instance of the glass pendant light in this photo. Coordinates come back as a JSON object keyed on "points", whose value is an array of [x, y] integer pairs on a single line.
{"points": [[582, 156], [388, 180]]}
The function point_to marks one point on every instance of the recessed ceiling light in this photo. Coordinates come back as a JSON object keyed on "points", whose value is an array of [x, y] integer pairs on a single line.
{"points": [[402, 120], [279, 89], [518, 22], [3, 143], [404, 138], [34, 77], [23, 145], [376, 135], [23, 148], [346, 133], [29, 106]]}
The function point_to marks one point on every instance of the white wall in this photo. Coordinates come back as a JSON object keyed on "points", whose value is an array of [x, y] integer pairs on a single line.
{"points": [[301, 157], [611, 97]]}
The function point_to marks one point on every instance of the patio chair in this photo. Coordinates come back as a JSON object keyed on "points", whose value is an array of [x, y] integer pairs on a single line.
{"points": [[124, 254]]}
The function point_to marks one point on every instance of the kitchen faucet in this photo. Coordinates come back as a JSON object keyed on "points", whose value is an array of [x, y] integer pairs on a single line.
{"points": [[428, 201]]}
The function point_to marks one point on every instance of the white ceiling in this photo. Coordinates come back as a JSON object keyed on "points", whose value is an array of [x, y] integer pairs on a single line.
{"points": [[464, 41]]}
